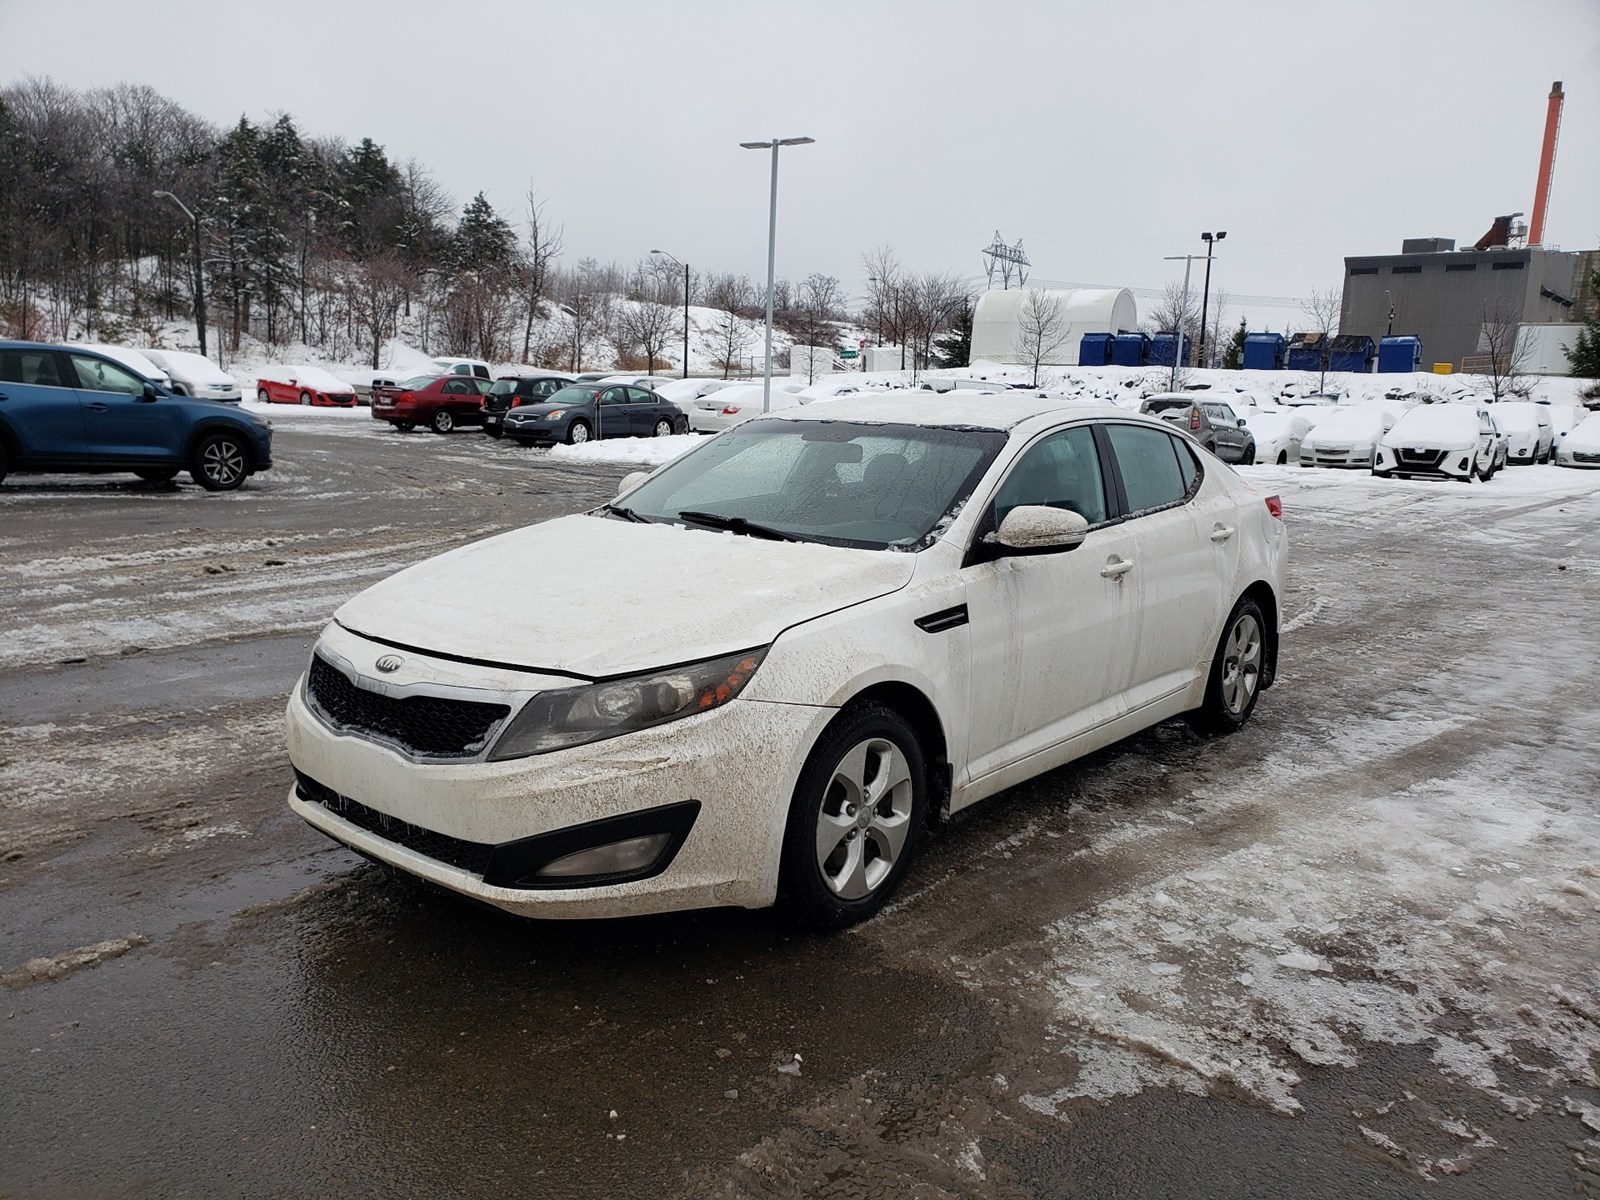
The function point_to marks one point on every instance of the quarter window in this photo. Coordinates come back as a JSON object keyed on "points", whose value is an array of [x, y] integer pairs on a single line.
{"points": [[1156, 470], [97, 375], [36, 367], [1062, 471]]}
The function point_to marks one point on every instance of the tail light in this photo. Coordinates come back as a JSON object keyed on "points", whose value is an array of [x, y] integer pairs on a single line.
{"points": [[1194, 418], [731, 411], [1275, 506]]}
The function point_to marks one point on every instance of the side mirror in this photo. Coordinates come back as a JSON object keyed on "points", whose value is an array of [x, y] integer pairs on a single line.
{"points": [[1241, 422], [632, 480], [1040, 529], [150, 391]]}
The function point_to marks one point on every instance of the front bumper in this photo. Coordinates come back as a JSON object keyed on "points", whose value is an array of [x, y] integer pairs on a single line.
{"points": [[738, 764], [1578, 458], [1438, 464]]}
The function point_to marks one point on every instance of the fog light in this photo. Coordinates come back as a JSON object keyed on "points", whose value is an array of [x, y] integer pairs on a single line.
{"points": [[615, 858]]}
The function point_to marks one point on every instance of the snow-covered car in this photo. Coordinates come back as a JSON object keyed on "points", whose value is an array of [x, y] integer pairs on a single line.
{"points": [[828, 389], [1348, 437], [195, 375], [1452, 441], [1278, 433], [1581, 446], [464, 366], [1563, 417], [732, 406], [805, 639], [301, 383], [128, 357], [1529, 429]]}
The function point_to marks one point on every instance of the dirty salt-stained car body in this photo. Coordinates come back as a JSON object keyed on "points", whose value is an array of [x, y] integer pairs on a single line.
{"points": [[810, 636]]}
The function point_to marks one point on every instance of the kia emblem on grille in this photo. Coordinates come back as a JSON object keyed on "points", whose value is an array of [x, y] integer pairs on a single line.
{"points": [[390, 663]]}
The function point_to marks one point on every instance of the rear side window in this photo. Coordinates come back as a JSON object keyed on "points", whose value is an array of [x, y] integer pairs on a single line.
{"points": [[36, 367], [1157, 471]]}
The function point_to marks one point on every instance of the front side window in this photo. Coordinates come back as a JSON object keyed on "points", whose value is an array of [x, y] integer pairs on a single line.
{"points": [[98, 375], [612, 396], [1156, 471], [1061, 471]]}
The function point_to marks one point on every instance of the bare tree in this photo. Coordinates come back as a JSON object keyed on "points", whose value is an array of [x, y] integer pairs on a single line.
{"points": [[543, 247], [1220, 300], [731, 295], [645, 326], [381, 285], [1504, 357], [1174, 312], [813, 321], [1321, 311], [1041, 329], [931, 303]]}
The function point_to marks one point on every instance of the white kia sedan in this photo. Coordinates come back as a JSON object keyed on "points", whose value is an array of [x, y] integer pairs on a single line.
{"points": [[762, 670]]}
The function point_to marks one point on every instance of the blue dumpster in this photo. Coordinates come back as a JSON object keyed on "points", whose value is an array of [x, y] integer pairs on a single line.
{"points": [[1265, 352], [1130, 350], [1094, 350], [1399, 353], [1163, 348], [1353, 352]]}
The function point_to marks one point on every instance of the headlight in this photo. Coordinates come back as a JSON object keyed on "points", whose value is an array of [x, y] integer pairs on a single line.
{"points": [[551, 416], [594, 712]]}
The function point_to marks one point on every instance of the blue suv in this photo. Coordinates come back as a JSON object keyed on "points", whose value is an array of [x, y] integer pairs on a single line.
{"points": [[63, 408]]}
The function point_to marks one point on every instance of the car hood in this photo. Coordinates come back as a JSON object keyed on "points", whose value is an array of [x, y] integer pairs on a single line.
{"points": [[594, 597]]}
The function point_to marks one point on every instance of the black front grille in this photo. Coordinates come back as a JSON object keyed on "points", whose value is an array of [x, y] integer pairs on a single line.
{"points": [[430, 726], [1584, 456], [455, 852], [1420, 458]]}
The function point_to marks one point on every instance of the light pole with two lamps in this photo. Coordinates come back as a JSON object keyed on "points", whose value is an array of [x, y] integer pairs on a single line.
{"points": [[199, 273], [1205, 294], [685, 267], [772, 251]]}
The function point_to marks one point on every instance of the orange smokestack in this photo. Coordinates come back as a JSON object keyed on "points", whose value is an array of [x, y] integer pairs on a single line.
{"points": [[1547, 162]]}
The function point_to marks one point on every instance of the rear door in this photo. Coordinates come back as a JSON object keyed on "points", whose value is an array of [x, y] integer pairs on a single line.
{"points": [[1181, 571], [121, 425], [40, 407], [1230, 438], [650, 409]]}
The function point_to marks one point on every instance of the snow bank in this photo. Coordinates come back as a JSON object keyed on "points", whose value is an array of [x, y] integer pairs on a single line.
{"points": [[646, 452]]}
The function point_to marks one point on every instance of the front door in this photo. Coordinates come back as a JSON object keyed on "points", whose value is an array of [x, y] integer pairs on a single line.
{"points": [[611, 413], [1051, 633], [122, 425]]}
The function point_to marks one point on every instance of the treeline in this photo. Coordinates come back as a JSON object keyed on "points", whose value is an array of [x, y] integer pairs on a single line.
{"points": [[334, 245]]}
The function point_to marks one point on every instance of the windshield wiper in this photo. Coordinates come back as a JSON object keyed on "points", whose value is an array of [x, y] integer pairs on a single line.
{"points": [[737, 525], [627, 514]]}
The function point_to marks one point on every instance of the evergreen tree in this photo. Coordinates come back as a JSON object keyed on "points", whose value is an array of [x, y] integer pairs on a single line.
{"points": [[1233, 355], [955, 348], [483, 238], [1584, 356]]}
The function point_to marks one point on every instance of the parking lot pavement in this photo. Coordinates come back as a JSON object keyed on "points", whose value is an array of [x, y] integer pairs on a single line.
{"points": [[1349, 951]]}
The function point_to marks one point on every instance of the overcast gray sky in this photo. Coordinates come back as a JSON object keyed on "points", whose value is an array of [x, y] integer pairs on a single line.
{"points": [[1105, 136]]}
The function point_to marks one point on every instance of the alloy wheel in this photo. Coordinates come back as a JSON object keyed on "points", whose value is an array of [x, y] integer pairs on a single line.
{"points": [[864, 818], [1241, 663], [222, 461]]}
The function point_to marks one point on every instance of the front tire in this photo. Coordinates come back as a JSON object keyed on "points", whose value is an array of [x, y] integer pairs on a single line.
{"points": [[577, 433], [856, 819], [443, 421], [305, 399], [1234, 682], [220, 462], [1248, 458]]}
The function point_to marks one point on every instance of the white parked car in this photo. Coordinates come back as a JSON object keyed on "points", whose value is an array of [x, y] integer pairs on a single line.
{"points": [[195, 375], [815, 635], [1453, 441], [1278, 433], [731, 406], [139, 362], [1581, 446], [462, 366], [1563, 417], [1528, 426], [1348, 437]]}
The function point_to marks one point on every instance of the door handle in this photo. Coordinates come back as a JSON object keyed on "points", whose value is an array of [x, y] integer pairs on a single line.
{"points": [[96, 407], [1116, 568], [1221, 534]]}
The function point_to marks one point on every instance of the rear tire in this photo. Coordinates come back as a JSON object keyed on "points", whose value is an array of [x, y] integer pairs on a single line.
{"points": [[663, 428], [856, 819], [405, 426], [5, 461], [220, 462], [1283, 458], [262, 397], [443, 421], [1234, 682]]}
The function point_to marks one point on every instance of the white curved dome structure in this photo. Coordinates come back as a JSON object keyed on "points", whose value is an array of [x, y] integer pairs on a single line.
{"points": [[996, 324]]}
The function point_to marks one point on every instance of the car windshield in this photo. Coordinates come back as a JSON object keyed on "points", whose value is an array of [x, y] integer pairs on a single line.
{"points": [[578, 394], [1161, 406], [844, 483], [501, 387]]}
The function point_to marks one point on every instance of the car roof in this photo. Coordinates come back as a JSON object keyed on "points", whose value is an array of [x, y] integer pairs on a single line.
{"points": [[964, 409]]}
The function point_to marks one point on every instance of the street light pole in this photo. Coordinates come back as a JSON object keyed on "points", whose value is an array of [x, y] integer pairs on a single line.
{"points": [[685, 267], [1183, 313], [772, 251], [1205, 295], [199, 273]]}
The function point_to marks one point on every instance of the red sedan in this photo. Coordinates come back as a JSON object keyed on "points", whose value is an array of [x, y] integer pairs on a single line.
{"points": [[440, 402], [303, 385]]}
